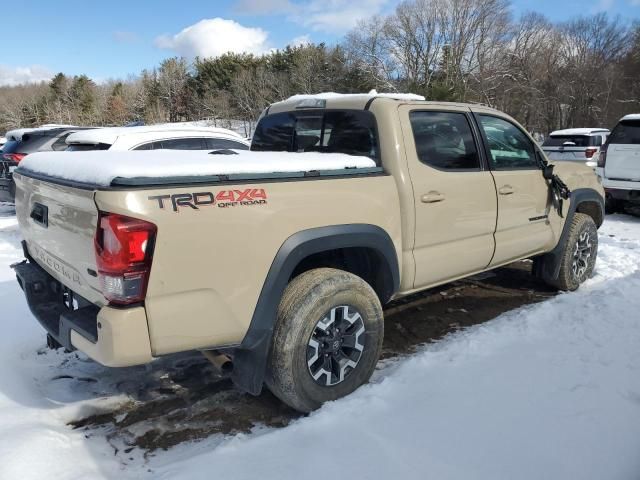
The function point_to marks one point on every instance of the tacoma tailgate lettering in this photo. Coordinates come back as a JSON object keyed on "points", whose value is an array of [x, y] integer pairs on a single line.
{"points": [[223, 199]]}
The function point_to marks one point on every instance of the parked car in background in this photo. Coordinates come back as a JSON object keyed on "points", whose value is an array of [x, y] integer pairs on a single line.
{"points": [[619, 164], [157, 137], [576, 145], [22, 142]]}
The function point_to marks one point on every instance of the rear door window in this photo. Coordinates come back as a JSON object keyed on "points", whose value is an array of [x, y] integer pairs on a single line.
{"points": [[626, 132], [184, 144], [444, 140], [223, 144]]}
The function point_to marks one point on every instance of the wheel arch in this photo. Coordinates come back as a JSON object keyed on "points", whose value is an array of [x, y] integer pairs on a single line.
{"points": [[582, 200], [300, 252]]}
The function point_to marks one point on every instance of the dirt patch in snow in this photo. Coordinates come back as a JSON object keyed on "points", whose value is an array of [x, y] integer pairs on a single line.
{"points": [[183, 398]]}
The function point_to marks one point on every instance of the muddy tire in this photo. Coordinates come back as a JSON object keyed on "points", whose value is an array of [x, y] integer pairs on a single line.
{"points": [[327, 338], [579, 253]]}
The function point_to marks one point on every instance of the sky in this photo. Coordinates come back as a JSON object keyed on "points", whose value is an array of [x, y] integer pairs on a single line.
{"points": [[118, 38]]}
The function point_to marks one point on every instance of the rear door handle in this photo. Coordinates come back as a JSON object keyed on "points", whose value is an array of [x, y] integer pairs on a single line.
{"points": [[432, 197], [506, 190]]}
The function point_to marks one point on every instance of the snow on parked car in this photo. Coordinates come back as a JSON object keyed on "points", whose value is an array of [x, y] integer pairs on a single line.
{"points": [[168, 136], [25, 141]]}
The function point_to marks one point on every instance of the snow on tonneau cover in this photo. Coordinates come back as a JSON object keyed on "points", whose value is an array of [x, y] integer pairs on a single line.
{"points": [[58, 215]]}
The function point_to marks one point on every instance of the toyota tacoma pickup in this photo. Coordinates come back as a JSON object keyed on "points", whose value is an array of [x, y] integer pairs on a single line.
{"points": [[285, 269]]}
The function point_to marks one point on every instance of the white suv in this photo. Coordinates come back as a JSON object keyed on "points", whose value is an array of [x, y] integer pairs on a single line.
{"points": [[619, 164], [576, 145]]}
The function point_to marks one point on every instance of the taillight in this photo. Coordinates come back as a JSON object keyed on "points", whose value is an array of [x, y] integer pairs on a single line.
{"points": [[602, 159], [589, 152], [124, 250], [14, 157]]}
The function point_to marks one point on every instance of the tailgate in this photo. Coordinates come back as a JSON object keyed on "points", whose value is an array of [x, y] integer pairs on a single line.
{"points": [[58, 223], [623, 162]]}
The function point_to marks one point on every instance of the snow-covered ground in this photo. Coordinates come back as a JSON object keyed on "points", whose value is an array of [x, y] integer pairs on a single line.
{"points": [[551, 390]]}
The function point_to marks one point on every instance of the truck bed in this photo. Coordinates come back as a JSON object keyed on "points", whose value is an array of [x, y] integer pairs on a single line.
{"points": [[162, 167]]}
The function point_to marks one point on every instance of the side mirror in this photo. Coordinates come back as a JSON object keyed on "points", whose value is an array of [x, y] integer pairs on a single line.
{"points": [[547, 172]]}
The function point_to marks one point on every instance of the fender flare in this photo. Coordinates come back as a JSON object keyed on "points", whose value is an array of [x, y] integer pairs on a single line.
{"points": [[250, 358], [550, 267]]}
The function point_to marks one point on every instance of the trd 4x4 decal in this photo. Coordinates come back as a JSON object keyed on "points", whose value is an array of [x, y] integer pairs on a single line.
{"points": [[223, 199]]}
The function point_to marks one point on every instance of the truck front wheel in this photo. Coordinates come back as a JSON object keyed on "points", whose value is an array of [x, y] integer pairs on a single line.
{"points": [[579, 253], [327, 338]]}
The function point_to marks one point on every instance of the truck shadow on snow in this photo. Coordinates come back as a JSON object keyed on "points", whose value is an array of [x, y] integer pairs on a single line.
{"points": [[182, 398]]}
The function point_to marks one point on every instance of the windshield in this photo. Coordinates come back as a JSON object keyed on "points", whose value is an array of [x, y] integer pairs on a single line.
{"points": [[568, 140], [327, 131]]}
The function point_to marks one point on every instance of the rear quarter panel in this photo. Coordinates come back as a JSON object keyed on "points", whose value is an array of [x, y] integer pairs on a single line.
{"points": [[209, 264]]}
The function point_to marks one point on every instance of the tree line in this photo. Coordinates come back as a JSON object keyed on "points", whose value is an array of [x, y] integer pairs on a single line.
{"points": [[582, 72]]}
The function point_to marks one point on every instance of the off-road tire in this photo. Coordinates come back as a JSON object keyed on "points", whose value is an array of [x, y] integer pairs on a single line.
{"points": [[307, 300], [568, 279]]}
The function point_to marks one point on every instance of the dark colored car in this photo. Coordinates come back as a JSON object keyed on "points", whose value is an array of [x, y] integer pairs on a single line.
{"points": [[21, 143]]}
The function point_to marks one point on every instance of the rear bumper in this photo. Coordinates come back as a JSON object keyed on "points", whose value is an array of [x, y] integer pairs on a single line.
{"points": [[110, 336]]}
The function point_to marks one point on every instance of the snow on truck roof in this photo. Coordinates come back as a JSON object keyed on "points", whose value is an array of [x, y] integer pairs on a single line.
{"points": [[371, 94], [578, 131], [100, 168], [150, 132]]}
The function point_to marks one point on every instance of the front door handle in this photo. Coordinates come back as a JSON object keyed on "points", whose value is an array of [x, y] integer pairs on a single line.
{"points": [[432, 197], [506, 190]]}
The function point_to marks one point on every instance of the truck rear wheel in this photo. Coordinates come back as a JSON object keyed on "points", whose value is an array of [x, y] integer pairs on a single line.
{"points": [[327, 338], [579, 253]]}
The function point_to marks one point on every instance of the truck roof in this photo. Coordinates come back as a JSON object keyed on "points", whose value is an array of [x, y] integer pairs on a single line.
{"points": [[149, 132], [631, 116], [578, 131], [361, 101]]}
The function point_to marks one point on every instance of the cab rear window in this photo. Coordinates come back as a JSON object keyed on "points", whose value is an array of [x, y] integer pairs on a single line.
{"points": [[626, 132], [327, 131]]}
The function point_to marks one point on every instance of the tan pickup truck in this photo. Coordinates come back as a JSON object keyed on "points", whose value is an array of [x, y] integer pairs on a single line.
{"points": [[286, 271]]}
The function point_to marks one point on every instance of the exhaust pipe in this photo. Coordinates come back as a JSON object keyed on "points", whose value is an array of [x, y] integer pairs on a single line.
{"points": [[220, 361]]}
